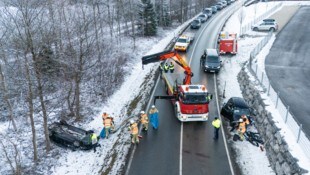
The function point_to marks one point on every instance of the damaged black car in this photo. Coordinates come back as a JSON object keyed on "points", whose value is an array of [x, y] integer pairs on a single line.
{"points": [[72, 137]]}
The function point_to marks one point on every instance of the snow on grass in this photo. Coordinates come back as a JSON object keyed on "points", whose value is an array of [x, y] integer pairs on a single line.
{"points": [[91, 162]]}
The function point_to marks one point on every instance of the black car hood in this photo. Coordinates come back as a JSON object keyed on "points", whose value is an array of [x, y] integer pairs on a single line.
{"points": [[212, 64]]}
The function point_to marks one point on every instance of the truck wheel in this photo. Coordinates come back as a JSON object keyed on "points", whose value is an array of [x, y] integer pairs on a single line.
{"points": [[166, 88]]}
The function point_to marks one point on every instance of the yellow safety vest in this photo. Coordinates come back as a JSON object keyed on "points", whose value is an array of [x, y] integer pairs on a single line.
{"points": [[242, 127], [216, 123], [171, 66], [94, 138], [144, 118], [134, 128]]}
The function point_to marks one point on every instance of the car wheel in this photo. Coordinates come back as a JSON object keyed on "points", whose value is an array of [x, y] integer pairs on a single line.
{"points": [[272, 29], [76, 143], [63, 122], [255, 29]]}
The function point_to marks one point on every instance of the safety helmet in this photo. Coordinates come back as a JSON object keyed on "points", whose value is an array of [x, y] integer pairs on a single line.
{"points": [[142, 112], [131, 121], [153, 106], [240, 120]]}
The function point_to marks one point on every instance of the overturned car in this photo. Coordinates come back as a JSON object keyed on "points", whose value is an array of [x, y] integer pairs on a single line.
{"points": [[72, 137]]}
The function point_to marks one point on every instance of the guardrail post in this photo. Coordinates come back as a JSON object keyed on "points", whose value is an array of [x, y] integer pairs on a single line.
{"points": [[277, 99], [262, 77], [299, 131], [288, 109], [256, 69], [268, 91]]}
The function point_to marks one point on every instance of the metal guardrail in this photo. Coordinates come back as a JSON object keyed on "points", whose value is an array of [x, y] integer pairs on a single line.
{"points": [[247, 27], [296, 127]]}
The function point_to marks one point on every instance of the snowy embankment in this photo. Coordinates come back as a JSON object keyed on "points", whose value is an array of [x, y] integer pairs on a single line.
{"points": [[81, 162], [251, 159]]}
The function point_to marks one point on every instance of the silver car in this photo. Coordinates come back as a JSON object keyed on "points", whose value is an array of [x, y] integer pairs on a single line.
{"points": [[265, 26], [203, 17]]}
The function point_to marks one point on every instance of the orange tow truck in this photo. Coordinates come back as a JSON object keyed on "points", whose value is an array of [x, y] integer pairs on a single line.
{"points": [[191, 102]]}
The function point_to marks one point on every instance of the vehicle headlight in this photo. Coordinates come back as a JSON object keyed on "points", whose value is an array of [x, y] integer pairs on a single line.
{"points": [[184, 117], [207, 66], [218, 67]]}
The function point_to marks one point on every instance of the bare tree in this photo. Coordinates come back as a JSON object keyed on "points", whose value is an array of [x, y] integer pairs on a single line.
{"points": [[4, 89], [13, 160]]}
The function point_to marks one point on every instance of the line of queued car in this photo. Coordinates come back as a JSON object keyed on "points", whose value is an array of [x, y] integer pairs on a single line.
{"points": [[208, 12]]}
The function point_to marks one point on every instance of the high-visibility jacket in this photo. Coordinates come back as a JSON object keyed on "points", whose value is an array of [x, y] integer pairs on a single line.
{"points": [[144, 118], [242, 127], [216, 123], [166, 67], [246, 119], [104, 116], [171, 66], [107, 122], [153, 110], [94, 138], [134, 128]]}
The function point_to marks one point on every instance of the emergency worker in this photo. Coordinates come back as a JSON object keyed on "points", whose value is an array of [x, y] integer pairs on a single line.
{"points": [[241, 128], [94, 141], [134, 130], [166, 67], [171, 67], [247, 121], [154, 116], [105, 115], [144, 120], [108, 124], [216, 124]]}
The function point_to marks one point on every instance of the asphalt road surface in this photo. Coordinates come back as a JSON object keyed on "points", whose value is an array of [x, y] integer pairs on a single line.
{"points": [[288, 66], [185, 148]]}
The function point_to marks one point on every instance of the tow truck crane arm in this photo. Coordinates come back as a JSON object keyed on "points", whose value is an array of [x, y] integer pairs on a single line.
{"points": [[161, 56]]}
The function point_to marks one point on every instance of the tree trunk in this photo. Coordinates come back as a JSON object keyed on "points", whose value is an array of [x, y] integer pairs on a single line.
{"points": [[41, 96], [6, 98], [30, 105]]}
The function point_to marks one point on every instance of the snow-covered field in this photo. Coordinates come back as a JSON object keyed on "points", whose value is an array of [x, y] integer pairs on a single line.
{"points": [[251, 159]]}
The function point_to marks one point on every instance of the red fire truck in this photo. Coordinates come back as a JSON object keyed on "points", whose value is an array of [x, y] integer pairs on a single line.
{"points": [[228, 43], [191, 102]]}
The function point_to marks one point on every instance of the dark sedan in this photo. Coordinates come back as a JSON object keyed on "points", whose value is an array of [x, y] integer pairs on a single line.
{"points": [[235, 108], [72, 137]]}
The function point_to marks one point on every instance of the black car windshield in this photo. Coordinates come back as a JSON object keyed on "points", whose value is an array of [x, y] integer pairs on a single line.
{"points": [[181, 40], [241, 111], [202, 16], [212, 59], [195, 98]]}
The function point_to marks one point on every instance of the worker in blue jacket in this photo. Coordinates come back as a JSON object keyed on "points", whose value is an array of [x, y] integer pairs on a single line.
{"points": [[154, 117]]}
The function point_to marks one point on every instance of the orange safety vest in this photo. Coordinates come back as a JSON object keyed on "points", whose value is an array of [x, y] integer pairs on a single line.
{"points": [[104, 116], [144, 118], [107, 122], [134, 128], [242, 127], [247, 120]]}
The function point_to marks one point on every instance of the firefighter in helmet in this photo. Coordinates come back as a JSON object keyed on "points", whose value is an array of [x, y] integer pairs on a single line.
{"points": [[144, 120]]}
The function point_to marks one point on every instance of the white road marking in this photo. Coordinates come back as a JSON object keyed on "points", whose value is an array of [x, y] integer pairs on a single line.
{"points": [[181, 148], [135, 146], [224, 138]]}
